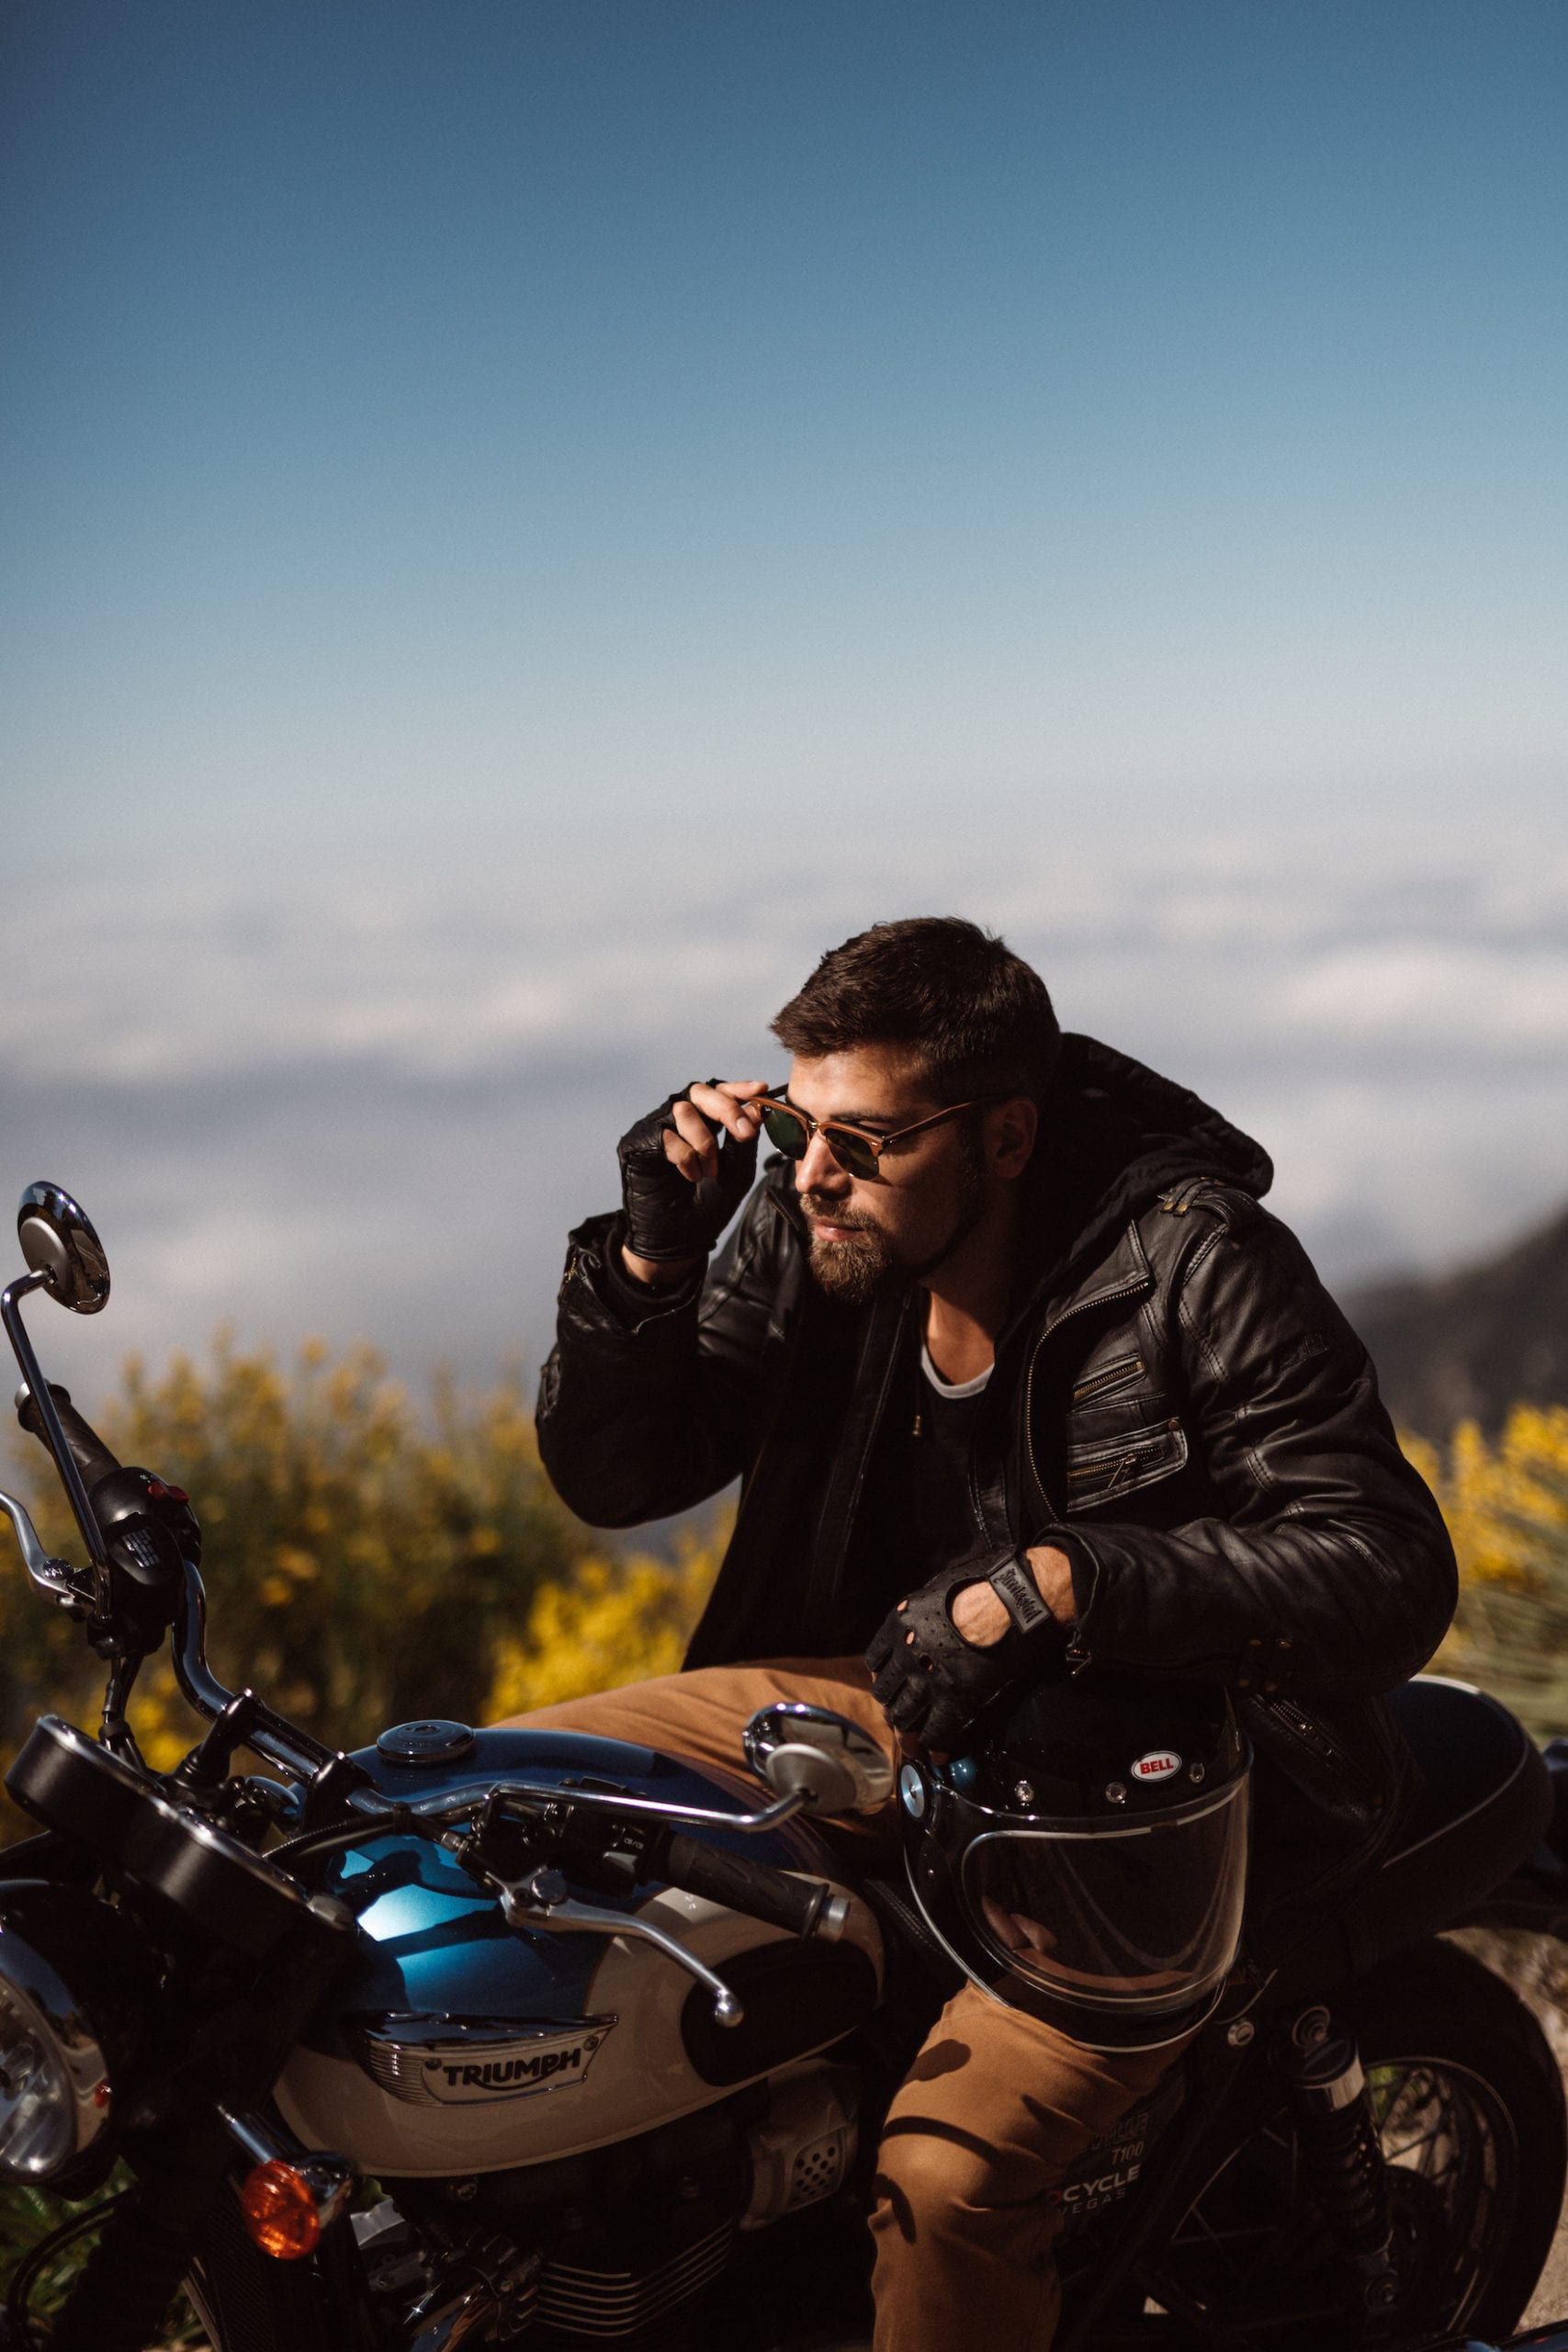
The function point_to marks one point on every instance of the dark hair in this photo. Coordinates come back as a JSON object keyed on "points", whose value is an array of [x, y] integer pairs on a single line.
{"points": [[975, 1015]]}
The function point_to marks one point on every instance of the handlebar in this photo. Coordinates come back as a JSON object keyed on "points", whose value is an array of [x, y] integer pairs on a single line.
{"points": [[87, 1449], [243, 1718], [801, 1906]]}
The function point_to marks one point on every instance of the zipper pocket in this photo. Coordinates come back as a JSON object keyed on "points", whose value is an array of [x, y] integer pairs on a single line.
{"points": [[1145, 1440], [1137, 1460], [1084, 1307], [1111, 1376]]}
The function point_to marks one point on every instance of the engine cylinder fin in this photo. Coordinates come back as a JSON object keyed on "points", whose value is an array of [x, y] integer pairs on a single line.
{"points": [[578, 2299]]}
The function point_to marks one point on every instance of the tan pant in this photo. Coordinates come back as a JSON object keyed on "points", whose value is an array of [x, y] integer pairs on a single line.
{"points": [[994, 2109]]}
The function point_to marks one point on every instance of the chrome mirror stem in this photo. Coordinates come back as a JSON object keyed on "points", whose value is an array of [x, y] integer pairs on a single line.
{"points": [[64, 1462]]}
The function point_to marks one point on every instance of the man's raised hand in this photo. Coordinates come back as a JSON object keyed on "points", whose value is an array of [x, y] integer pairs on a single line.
{"points": [[684, 1171]]}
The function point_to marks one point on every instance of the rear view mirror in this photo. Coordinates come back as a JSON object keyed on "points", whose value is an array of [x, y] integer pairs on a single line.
{"points": [[807, 1751], [58, 1242]]}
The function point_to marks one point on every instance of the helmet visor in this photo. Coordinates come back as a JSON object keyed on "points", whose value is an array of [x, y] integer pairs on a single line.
{"points": [[1141, 1918]]}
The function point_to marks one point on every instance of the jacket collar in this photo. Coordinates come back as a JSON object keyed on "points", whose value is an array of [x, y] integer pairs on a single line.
{"points": [[1125, 1272]]}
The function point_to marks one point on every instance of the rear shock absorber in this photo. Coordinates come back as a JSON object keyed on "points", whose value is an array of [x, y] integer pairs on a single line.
{"points": [[1341, 2154]]}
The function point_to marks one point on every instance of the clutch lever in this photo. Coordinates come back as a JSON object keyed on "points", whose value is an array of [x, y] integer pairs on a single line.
{"points": [[64, 1584], [540, 1902]]}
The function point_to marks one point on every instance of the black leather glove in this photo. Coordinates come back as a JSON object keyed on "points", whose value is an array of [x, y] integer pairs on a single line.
{"points": [[931, 1682], [667, 1216]]}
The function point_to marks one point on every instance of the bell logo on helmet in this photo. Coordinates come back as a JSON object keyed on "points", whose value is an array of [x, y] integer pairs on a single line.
{"points": [[1159, 1764]]}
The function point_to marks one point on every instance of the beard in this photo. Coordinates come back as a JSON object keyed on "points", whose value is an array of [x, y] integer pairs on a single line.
{"points": [[870, 1265], [858, 1271]]}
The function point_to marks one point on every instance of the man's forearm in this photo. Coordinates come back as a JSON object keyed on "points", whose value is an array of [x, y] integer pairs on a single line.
{"points": [[636, 1419], [981, 1616]]}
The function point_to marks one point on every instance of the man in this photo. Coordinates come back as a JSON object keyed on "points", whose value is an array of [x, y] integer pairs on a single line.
{"points": [[1010, 1364]]}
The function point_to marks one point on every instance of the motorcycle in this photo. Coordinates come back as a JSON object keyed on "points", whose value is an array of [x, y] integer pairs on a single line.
{"points": [[495, 2036]]}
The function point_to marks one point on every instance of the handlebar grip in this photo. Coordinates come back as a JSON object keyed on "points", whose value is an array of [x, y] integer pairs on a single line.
{"points": [[88, 1451], [762, 1893]]}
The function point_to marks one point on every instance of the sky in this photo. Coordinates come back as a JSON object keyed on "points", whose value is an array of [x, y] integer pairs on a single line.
{"points": [[520, 525]]}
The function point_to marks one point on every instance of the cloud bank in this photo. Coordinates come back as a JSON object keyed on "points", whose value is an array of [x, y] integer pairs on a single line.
{"points": [[372, 1098]]}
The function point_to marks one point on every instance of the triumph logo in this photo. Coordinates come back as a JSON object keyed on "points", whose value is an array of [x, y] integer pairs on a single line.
{"points": [[457, 2079], [438, 2062]]}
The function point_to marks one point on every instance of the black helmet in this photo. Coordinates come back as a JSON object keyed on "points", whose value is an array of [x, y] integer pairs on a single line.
{"points": [[1087, 1861]]}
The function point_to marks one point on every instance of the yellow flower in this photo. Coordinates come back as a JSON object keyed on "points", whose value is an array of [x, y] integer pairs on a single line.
{"points": [[613, 1622], [1506, 1508]]}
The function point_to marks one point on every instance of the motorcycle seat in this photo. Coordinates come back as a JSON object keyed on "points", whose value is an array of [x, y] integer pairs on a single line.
{"points": [[1484, 1805]]}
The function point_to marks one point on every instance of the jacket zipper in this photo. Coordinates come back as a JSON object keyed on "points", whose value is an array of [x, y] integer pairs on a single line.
{"points": [[1077, 1656], [1128, 1368], [1103, 1298]]}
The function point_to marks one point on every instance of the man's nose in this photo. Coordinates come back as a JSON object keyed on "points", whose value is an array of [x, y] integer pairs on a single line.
{"points": [[819, 1172]]}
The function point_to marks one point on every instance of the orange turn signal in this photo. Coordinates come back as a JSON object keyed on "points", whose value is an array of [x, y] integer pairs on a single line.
{"points": [[281, 2210]]}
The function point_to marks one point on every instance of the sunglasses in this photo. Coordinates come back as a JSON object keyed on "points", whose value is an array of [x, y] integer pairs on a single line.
{"points": [[856, 1149]]}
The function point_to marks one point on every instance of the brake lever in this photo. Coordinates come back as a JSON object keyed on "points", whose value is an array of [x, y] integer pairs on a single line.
{"points": [[65, 1585], [540, 1902]]}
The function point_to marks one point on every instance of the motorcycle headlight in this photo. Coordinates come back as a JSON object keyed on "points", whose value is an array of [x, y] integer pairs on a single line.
{"points": [[73, 1990]]}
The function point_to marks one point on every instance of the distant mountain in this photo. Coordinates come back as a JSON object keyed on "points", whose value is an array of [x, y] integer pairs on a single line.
{"points": [[1470, 1345]]}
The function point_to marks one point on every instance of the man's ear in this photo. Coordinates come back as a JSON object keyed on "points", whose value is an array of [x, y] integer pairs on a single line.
{"points": [[1011, 1131]]}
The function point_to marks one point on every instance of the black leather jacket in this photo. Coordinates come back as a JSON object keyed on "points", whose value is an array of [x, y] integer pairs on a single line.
{"points": [[1176, 1401]]}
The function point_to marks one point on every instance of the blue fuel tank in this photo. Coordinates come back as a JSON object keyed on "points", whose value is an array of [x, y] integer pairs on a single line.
{"points": [[453, 2042]]}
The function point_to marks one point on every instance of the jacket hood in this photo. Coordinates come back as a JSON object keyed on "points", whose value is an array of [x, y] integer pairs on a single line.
{"points": [[1113, 1137]]}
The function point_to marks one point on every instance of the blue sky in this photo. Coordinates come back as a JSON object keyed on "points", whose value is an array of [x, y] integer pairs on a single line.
{"points": [[462, 460], [512, 403]]}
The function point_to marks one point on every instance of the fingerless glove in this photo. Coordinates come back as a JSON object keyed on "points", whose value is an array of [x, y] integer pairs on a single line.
{"points": [[934, 1685], [667, 1215]]}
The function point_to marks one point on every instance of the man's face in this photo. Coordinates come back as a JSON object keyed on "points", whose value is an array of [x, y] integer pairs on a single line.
{"points": [[870, 1234]]}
